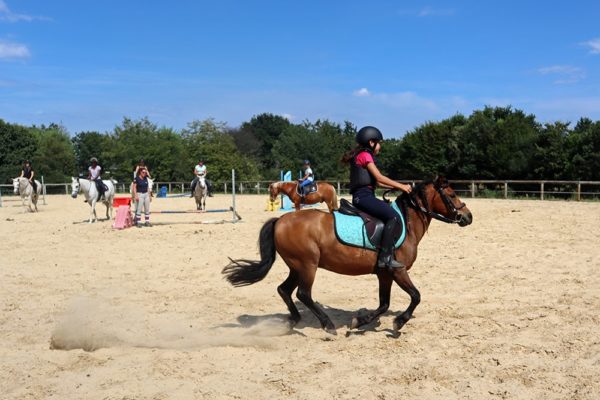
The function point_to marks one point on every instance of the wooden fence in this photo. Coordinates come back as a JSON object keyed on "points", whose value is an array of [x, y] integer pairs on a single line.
{"points": [[533, 189]]}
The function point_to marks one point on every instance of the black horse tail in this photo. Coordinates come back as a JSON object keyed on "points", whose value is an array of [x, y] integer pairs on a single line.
{"points": [[246, 272]]}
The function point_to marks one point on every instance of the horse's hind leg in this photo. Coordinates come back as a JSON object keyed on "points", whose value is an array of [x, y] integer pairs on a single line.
{"points": [[304, 294], [403, 280], [385, 289], [285, 291]]}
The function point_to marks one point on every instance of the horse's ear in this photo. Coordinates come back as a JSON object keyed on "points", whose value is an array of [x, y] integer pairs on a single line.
{"points": [[441, 181]]}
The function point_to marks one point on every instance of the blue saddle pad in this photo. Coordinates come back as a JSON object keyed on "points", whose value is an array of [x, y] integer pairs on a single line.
{"points": [[351, 230]]}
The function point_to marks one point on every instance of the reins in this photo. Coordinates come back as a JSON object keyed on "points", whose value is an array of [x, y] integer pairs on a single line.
{"points": [[452, 209]]}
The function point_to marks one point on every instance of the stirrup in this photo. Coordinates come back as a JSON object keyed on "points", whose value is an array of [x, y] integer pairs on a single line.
{"points": [[389, 261]]}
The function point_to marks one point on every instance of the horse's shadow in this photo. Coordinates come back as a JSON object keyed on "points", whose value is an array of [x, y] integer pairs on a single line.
{"points": [[340, 318]]}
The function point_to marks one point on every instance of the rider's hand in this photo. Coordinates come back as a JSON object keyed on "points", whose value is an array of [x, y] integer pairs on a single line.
{"points": [[405, 188]]}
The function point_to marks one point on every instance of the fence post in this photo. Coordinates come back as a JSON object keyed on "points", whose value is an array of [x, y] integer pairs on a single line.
{"points": [[0, 196], [66, 188], [338, 187], [225, 187], [542, 190], [170, 187], [472, 189], [578, 191], [506, 190], [234, 217], [43, 190], [258, 188]]}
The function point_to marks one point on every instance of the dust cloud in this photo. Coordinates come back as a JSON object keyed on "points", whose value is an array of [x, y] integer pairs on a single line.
{"points": [[92, 323]]}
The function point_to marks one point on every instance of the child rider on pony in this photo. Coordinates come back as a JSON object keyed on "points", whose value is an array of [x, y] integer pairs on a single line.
{"points": [[364, 177]]}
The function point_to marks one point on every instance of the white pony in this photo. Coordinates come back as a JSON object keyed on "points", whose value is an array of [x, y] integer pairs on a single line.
{"points": [[200, 193], [24, 188], [89, 190]]}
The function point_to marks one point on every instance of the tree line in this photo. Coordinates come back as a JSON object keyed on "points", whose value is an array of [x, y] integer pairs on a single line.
{"points": [[493, 143]]}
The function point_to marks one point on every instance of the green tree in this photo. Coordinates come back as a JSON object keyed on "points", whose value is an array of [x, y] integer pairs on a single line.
{"points": [[549, 159], [266, 129], [497, 144], [583, 148], [90, 144], [17, 144], [55, 156], [161, 148], [323, 143], [209, 140]]}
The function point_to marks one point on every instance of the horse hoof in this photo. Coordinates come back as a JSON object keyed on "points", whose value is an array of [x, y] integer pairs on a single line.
{"points": [[331, 331], [355, 324]]}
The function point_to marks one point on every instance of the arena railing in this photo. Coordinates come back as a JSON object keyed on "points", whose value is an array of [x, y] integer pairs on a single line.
{"points": [[475, 188]]}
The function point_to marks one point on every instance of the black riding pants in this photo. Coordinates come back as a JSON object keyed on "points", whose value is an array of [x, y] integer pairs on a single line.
{"points": [[365, 200]]}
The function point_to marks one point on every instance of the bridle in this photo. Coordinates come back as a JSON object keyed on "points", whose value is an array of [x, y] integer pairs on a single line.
{"points": [[453, 210]]}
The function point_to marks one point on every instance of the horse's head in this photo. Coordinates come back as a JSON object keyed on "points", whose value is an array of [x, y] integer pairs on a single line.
{"points": [[16, 182], [273, 191], [76, 186], [443, 201]]}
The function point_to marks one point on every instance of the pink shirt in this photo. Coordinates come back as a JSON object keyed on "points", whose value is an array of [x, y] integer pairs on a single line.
{"points": [[364, 158]]}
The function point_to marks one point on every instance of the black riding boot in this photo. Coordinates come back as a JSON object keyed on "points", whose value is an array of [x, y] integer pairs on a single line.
{"points": [[386, 253], [193, 188], [100, 188]]}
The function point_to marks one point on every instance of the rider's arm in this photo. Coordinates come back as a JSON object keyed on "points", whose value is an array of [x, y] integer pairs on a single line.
{"points": [[384, 180], [32, 175], [134, 189]]}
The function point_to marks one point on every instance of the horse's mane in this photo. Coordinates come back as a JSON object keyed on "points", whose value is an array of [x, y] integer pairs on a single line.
{"points": [[418, 192]]}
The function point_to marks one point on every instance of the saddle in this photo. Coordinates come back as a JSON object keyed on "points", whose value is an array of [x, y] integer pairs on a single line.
{"points": [[308, 189], [356, 228]]}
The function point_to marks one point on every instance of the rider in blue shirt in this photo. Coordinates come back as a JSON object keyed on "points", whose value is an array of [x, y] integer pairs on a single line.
{"points": [[308, 177]]}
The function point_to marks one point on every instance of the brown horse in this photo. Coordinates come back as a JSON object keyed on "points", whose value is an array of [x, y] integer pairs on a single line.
{"points": [[319, 247], [325, 193]]}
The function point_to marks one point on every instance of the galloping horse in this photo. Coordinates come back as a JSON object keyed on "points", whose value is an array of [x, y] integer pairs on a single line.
{"points": [[91, 195], [200, 193], [325, 193], [319, 248], [23, 187]]}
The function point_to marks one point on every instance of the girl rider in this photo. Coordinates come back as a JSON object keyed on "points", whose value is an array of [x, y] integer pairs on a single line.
{"points": [[364, 177], [27, 172], [308, 177], [94, 174]]}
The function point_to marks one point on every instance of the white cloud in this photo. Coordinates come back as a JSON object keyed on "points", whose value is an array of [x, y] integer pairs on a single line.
{"points": [[566, 73], [10, 51], [594, 45], [362, 92], [7, 15]]}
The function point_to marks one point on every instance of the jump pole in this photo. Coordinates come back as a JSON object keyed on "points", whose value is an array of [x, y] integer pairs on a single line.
{"points": [[43, 190]]}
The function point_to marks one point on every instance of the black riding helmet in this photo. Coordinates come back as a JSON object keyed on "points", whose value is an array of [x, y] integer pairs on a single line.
{"points": [[368, 133]]}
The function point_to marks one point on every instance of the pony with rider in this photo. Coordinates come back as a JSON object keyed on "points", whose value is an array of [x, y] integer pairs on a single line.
{"points": [[320, 245]]}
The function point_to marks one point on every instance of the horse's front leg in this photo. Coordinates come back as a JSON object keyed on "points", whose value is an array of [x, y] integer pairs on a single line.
{"points": [[403, 280], [385, 289], [93, 211]]}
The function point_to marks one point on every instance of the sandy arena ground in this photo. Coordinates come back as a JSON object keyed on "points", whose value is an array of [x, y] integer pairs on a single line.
{"points": [[510, 309]]}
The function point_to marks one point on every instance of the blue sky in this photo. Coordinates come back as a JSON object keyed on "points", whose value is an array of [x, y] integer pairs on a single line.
{"points": [[392, 64]]}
